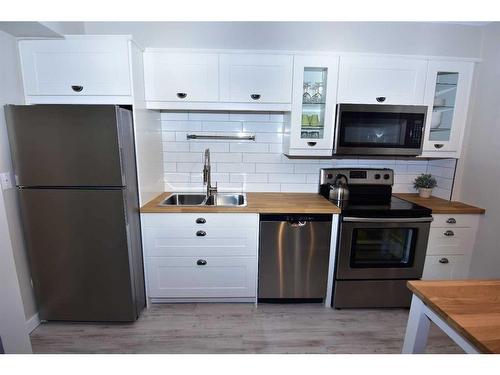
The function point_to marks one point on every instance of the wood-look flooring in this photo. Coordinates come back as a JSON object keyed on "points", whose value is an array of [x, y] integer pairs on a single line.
{"points": [[240, 328]]}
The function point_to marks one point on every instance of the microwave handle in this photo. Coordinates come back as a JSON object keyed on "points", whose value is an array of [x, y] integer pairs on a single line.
{"points": [[388, 219]]}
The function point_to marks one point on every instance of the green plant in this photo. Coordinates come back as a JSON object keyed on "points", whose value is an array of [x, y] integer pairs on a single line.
{"points": [[425, 181]]}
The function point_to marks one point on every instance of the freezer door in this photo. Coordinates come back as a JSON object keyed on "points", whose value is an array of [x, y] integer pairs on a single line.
{"points": [[80, 254], [65, 145]]}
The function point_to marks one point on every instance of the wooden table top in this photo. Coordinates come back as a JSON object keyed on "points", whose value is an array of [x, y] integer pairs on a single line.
{"points": [[441, 206], [272, 203], [471, 307]]}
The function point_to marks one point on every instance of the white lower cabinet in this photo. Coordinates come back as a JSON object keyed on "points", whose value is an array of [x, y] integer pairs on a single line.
{"points": [[200, 256], [450, 247]]}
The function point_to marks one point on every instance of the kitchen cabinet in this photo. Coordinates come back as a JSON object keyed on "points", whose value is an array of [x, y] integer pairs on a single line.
{"points": [[450, 246], [181, 77], [381, 80], [201, 256], [77, 69], [447, 97], [255, 78], [309, 129]]}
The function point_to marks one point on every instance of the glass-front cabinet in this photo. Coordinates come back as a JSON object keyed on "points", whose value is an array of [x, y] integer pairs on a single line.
{"points": [[447, 97], [310, 127]]}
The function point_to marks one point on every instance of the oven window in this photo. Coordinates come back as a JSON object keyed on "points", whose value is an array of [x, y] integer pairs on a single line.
{"points": [[383, 247]]}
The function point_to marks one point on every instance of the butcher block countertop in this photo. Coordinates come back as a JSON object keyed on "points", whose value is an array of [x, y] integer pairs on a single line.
{"points": [[268, 203], [471, 307], [441, 206]]}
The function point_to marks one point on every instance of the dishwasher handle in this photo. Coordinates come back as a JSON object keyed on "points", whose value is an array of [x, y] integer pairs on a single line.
{"points": [[296, 218]]}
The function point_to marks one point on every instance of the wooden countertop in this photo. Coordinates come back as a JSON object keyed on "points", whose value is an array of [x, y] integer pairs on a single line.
{"points": [[441, 206], [272, 203], [471, 307]]}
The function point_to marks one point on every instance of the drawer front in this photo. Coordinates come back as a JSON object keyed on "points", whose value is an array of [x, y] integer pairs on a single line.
{"points": [[451, 221], [444, 267], [183, 277], [200, 220], [450, 241], [187, 241]]}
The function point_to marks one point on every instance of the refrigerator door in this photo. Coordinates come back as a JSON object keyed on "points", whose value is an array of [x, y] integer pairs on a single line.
{"points": [[80, 254], [65, 145]]}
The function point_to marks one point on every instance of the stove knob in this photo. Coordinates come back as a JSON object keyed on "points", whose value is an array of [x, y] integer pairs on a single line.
{"points": [[329, 176], [377, 176], [387, 176]]}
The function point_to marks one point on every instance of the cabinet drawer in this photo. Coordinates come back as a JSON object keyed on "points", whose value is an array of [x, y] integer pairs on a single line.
{"points": [[396, 80], [455, 241], [444, 267], [76, 66], [182, 241], [457, 221], [256, 78], [181, 77], [183, 277], [200, 220]]}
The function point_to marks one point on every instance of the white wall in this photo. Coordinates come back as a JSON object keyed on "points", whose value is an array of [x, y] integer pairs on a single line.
{"points": [[260, 165], [481, 169], [16, 296], [425, 38]]}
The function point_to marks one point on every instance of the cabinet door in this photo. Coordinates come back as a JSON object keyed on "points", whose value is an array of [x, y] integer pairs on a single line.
{"points": [[178, 77], [256, 78], [313, 105], [447, 96], [372, 80], [76, 66], [444, 267]]}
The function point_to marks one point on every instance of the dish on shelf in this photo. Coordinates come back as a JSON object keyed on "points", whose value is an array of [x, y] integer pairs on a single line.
{"points": [[439, 102], [436, 119]]}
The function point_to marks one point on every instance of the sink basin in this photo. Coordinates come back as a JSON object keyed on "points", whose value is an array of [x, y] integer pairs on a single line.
{"points": [[184, 200], [230, 199]]}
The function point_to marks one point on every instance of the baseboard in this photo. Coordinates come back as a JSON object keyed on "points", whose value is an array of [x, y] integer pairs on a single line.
{"points": [[32, 323]]}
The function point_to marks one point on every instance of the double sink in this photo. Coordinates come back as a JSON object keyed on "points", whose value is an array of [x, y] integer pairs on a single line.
{"points": [[217, 199]]}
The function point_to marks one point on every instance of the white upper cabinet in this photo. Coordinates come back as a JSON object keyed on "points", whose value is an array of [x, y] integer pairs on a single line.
{"points": [[447, 96], [181, 77], [75, 67], [383, 80], [255, 78], [310, 129]]}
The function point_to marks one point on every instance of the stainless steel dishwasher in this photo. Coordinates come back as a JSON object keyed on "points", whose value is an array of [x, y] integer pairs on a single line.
{"points": [[293, 256]]}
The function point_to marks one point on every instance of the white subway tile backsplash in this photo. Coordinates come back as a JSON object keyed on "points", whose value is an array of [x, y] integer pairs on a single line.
{"points": [[261, 165]]}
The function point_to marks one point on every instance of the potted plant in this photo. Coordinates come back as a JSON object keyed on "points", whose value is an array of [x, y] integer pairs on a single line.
{"points": [[424, 184]]}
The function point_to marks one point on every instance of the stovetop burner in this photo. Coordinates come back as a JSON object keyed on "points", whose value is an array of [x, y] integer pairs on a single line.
{"points": [[394, 207]]}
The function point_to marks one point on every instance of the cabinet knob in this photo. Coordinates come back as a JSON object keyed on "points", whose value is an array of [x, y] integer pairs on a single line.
{"points": [[380, 99], [449, 233], [444, 261], [451, 220], [200, 220], [201, 233], [438, 145], [77, 88], [182, 95], [255, 96], [312, 144], [201, 262]]}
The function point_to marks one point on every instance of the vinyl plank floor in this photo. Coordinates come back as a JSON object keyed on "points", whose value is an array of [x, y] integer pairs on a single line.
{"points": [[239, 328]]}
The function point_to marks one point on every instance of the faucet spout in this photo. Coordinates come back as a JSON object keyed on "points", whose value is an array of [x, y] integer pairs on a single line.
{"points": [[207, 175]]}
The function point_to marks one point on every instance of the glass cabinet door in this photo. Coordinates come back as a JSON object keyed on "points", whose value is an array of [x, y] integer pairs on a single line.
{"points": [[314, 98], [313, 103], [447, 96]]}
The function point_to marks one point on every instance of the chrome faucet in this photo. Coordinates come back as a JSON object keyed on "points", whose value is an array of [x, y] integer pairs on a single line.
{"points": [[207, 175]]}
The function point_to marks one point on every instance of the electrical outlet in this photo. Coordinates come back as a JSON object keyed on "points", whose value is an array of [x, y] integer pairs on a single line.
{"points": [[6, 180]]}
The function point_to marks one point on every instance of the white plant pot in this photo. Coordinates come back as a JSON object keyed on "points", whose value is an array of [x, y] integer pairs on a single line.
{"points": [[424, 192]]}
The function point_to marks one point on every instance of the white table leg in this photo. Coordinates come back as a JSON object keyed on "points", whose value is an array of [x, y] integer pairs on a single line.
{"points": [[417, 329]]}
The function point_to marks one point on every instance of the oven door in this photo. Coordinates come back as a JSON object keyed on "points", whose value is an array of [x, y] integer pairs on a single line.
{"points": [[379, 129], [382, 248]]}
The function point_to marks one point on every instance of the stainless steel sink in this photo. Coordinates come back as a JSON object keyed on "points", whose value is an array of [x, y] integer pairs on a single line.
{"points": [[230, 199], [184, 199], [194, 199]]}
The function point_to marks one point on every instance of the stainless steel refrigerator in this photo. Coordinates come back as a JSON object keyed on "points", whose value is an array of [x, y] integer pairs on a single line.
{"points": [[75, 171]]}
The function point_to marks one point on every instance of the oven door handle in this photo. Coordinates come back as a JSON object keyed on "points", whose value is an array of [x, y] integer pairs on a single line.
{"points": [[388, 219]]}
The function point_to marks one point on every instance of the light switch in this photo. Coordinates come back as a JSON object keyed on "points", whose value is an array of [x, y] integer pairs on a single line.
{"points": [[6, 180]]}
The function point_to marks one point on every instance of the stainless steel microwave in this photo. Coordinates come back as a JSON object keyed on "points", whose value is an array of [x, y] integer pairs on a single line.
{"points": [[374, 129]]}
